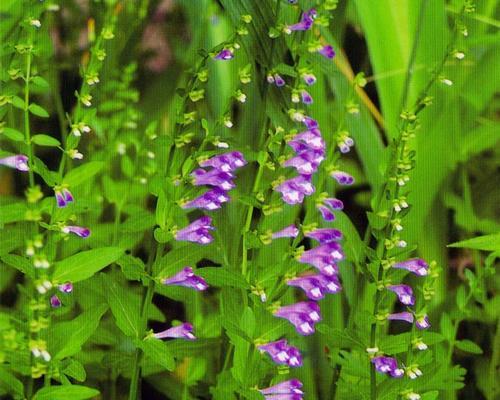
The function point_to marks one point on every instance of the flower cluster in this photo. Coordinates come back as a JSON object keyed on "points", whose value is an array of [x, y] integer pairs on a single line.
{"points": [[286, 390]]}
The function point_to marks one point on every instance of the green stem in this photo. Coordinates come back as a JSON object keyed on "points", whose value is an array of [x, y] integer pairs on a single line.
{"points": [[146, 302], [27, 131]]}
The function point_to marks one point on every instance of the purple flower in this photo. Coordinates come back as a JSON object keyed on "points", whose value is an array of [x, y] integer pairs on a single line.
{"points": [[330, 249], [342, 178], [290, 231], [186, 278], [416, 265], [310, 139], [226, 162], [66, 287], [63, 197], [55, 302], [404, 293], [325, 235], [281, 353], [214, 177], [302, 315], [293, 190], [211, 200], [182, 331], [303, 25], [327, 51], [315, 286], [402, 316], [328, 206], [306, 162], [310, 123], [278, 80], [291, 386], [224, 54], [77, 230], [198, 231], [306, 97], [387, 365], [308, 78], [19, 162], [422, 322]]}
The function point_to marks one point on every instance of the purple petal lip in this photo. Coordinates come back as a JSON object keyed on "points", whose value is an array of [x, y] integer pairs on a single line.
{"points": [[404, 293], [327, 51], [306, 97], [402, 316], [278, 80], [315, 286], [415, 265], [325, 235], [211, 200], [294, 189], [342, 178], [302, 315], [423, 322], [307, 162], [310, 123], [224, 54], [77, 230], [287, 387], [387, 365], [226, 162], [326, 213], [290, 231], [312, 139], [66, 287], [18, 161], [283, 354], [330, 249], [55, 302], [186, 278], [214, 177], [198, 231], [183, 331], [309, 79]]}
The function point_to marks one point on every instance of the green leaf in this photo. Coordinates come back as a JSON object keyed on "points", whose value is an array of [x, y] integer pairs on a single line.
{"points": [[47, 175], [18, 102], [220, 276], [485, 243], [13, 134], [124, 307], [158, 352], [45, 140], [12, 213], [39, 81], [469, 346], [446, 326], [20, 263], [37, 110], [178, 258], [85, 264], [75, 333], [82, 173], [73, 392], [75, 370], [10, 383]]}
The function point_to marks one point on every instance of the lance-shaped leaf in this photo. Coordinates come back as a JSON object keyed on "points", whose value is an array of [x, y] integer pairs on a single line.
{"points": [[74, 392]]}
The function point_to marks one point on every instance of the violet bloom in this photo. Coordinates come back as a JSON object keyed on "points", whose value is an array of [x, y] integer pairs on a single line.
{"points": [[330, 249], [402, 316], [224, 54], [327, 51], [19, 162], [182, 331], [186, 278], [311, 139], [63, 197], [302, 315], [387, 365], [306, 97], [307, 162], [303, 25], [226, 162], [308, 78], [292, 388], [327, 207], [198, 231], [214, 177], [324, 235], [66, 287], [211, 200], [278, 80], [77, 230], [404, 293], [422, 322], [342, 178], [282, 354], [315, 286], [415, 265], [290, 231], [310, 123], [55, 302], [293, 190]]}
